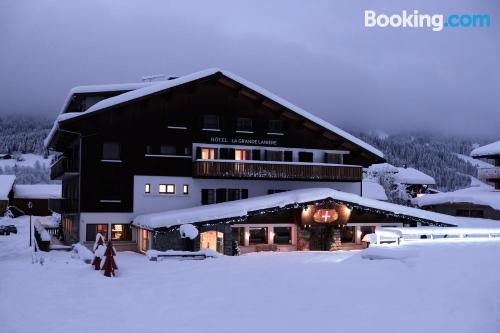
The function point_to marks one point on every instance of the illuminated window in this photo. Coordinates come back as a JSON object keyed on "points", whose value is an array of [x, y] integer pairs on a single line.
{"points": [[147, 188], [167, 189], [185, 189], [242, 155], [94, 229], [145, 240], [121, 232], [208, 153]]}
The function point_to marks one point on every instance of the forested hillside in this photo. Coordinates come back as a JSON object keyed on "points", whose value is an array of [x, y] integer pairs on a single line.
{"points": [[430, 153], [23, 134]]}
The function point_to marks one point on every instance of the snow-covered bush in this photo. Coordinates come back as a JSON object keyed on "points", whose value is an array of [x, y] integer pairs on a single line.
{"points": [[188, 231]]}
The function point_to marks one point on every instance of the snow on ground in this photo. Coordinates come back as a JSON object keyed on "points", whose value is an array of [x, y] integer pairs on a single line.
{"points": [[441, 287]]}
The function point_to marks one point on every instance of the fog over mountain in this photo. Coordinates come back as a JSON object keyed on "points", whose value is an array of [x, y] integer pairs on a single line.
{"points": [[316, 54]]}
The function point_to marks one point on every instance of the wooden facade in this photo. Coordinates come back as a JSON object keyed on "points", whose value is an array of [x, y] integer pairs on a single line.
{"points": [[175, 120]]}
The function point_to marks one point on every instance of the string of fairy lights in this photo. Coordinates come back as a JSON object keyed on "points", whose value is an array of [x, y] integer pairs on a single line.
{"points": [[326, 203]]}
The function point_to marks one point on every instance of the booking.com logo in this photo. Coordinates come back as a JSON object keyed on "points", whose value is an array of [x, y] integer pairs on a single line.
{"points": [[416, 20]]}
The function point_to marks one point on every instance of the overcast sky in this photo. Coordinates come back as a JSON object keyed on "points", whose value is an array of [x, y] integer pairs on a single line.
{"points": [[316, 54]]}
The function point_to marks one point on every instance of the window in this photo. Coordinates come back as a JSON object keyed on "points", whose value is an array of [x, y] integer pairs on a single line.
{"points": [[207, 196], [333, 158], [275, 126], [282, 235], [167, 188], [210, 196], [110, 190], [111, 151], [149, 149], [258, 235], [239, 235], [185, 189], [208, 154], [121, 232], [242, 155], [274, 155], [94, 229], [147, 188], [167, 150], [210, 122], [145, 240], [244, 124], [186, 151], [305, 156]]}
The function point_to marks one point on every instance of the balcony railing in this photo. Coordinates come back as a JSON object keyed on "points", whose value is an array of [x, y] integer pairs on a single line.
{"points": [[63, 168], [63, 206], [489, 174], [275, 170]]}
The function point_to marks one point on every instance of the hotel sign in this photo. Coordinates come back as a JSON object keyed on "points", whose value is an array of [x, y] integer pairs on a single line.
{"points": [[243, 141], [326, 216]]}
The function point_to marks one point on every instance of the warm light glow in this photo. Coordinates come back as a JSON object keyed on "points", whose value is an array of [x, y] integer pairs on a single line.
{"points": [[420, 195], [241, 155], [208, 153]]}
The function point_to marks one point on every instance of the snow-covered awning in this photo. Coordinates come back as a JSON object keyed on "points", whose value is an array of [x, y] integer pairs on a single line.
{"points": [[240, 209], [165, 85], [489, 150], [479, 195]]}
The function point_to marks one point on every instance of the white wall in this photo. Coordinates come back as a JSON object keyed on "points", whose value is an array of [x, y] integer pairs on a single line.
{"points": [[104, 218], [155, 202]]}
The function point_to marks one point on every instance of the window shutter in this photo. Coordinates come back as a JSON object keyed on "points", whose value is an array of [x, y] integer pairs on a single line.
{"points": [[198, 152], [288, 156], [244, 193]]}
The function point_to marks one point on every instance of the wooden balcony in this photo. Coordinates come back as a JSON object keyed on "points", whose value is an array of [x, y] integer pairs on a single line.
{"points": [[489, 174], [275, 170], [63, 168]]}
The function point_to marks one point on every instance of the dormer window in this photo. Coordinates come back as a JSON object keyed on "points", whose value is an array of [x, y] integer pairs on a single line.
{"points": [[244, 125], [211, 122]]}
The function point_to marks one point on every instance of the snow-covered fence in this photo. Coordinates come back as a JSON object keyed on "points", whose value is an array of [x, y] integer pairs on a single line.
{"points": [[42, 236], [411, 233]]}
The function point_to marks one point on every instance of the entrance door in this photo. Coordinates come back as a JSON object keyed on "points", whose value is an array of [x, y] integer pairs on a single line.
{"points": [[213, 240]]}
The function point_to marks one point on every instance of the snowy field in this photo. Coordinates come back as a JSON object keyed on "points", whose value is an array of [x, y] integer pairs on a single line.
{"points": [[429, 287]]}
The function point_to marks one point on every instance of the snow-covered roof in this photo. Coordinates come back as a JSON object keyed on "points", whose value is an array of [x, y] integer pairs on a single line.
{"points": [[413, 176], [373, 190], [161, 86], [100, 88], [383, 168], [241, 208], [479, 195], [38, 191], [6, 183], [491, 149]]}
